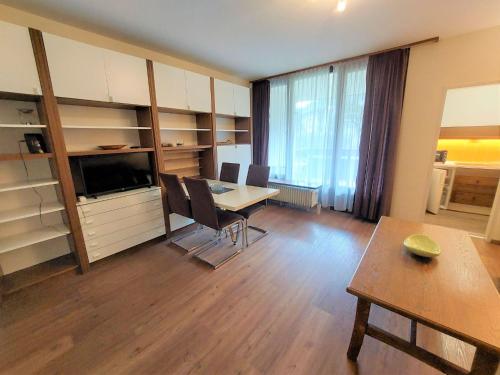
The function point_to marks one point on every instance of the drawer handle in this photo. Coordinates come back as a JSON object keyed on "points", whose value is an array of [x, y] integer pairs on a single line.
{"points": [[94, 244], [91, 234], [89, 221], [96, 255]]}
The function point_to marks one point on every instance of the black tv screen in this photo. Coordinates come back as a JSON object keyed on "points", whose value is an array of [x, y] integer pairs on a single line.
{"points": [[111, 173]]}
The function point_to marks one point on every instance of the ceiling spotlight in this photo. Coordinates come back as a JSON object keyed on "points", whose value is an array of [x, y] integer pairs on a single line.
{"points": [[341, 5]]}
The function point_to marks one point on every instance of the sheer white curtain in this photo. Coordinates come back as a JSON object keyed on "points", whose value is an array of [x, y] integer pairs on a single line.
{"points": [[314, 129]]}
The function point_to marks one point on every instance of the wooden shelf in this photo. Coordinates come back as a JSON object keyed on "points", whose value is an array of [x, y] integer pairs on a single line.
{"points": [[27, 184], [36, 274], [187, 129], [98, 104], [233, 130], [22, 126], [106, 127], [183, 169], [231, 116], [187, 148], [106, 152], [29, 211], [25, 156], [4, 95], [30, 238], [182, 159], [180, 111]]}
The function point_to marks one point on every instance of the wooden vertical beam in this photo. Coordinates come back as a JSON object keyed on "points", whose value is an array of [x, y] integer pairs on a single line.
{"points": [[155, 125], [214, 127], [55, 132]]}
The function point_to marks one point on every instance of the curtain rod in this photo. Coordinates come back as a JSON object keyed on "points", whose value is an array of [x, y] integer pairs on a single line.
{"points": [[424, 41]]}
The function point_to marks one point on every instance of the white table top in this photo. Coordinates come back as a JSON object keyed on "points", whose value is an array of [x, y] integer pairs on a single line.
{"points": [[242, 196]]}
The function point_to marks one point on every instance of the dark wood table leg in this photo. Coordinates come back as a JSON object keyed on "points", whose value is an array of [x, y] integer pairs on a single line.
{"points": [[484, 363], [359, 329]]}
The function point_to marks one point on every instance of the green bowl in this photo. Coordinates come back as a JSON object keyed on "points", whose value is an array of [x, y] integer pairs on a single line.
{"points": [[422, 245]]}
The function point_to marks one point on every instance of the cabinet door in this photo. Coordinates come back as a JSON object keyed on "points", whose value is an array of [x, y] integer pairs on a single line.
{"points": [[244, 157], [17, 66], [224, 98], [127, 78], [170, 85], [242, 101], [225, 154], [76, 69], [198, 92]]}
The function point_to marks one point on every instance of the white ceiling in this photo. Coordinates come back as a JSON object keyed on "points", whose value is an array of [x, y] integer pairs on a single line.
{"points": [[257, 38]]}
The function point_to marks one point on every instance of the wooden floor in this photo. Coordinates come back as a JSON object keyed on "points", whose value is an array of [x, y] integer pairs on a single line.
{"points": [[278, 308]]}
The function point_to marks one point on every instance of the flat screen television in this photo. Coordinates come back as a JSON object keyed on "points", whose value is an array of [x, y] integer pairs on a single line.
{"points": [[104, 174]]}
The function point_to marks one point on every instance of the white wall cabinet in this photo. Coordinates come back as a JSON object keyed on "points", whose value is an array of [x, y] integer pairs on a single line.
{"points": [[241, 154], [181, 89], [82, 71], [127, 78], [18, 71], [77, 69], [472, 106], [170, 85], [241, 101], [199, 98], [231, 99]]}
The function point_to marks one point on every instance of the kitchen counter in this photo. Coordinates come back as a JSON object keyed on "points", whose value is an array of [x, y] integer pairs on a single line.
{"points": [[468, 165]]}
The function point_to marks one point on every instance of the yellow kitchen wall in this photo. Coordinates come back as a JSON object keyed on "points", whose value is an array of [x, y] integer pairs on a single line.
{"points": [[471, 150], [22, 18], [458, 61]]}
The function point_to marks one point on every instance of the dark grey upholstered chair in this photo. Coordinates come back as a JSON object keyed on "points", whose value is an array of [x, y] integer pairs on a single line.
{"points": [[229, 172], [179, 203], [258, 175], [205, 212]]}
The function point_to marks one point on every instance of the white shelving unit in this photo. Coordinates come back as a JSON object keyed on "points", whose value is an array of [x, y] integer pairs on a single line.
{"points": [[30, 238], [94, 127], [29, 211], [27, 184], [22, 126], [187, 129]]}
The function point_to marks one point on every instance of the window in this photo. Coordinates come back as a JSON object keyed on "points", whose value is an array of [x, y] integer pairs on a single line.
{"points": [[315, 122]]}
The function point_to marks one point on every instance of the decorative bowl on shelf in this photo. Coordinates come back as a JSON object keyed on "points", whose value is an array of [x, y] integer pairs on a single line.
{"points": [[422, 245], [111, 147]]}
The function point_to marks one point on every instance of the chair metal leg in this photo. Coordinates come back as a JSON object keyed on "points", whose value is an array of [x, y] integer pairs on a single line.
{"points": [[182, 237]]}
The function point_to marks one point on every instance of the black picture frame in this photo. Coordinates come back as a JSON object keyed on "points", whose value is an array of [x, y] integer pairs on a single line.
{"points": [[35, 143]]}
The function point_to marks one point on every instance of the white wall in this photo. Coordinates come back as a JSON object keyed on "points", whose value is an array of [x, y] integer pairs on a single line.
{"points": [[465, 60]]}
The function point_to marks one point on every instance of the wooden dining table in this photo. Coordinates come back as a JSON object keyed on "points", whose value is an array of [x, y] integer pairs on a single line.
{"points": [[452, 293]]}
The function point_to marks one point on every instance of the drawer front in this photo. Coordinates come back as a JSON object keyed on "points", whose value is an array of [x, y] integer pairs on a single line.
{"points": [[120, 214], [126, 223], [475, 199], [117, 203], [125, 244], [108, 239]]}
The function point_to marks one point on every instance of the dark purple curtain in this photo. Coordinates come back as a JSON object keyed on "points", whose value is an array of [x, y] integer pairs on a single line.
{"points": [[385, 84], [261, 92]]}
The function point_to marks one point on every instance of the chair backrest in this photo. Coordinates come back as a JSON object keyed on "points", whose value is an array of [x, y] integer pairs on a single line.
{"points": [[202, 202], [229, 172], [178, 202], [258, 175]]}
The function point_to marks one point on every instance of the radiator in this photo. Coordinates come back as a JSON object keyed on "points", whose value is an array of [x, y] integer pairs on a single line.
{"points": [[300, 196]]}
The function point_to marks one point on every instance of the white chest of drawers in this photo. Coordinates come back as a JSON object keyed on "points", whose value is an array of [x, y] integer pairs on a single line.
{"points": [[116, 222]]}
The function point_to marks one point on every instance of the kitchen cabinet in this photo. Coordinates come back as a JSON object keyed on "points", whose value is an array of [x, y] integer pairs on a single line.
{"points": [[17, 65], [199, 97]]}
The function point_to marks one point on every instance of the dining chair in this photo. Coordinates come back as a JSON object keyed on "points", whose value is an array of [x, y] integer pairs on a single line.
{"points": [[179, 203], [258, 175], [206, 213], [229, 172]]}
